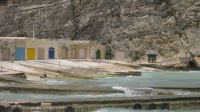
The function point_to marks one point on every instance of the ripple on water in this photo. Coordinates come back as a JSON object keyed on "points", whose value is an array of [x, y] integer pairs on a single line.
{"points": [[136, 91]]}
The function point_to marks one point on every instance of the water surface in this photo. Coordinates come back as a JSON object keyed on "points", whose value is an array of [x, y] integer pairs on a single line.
{"points": [[126, 83], [149, 80], [129, 110]]}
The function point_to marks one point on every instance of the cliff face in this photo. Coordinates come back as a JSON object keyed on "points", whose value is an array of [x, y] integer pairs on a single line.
{"points": [[170, 27], [48, 18]]}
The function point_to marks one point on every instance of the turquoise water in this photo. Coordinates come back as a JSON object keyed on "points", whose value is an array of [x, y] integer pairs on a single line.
{"points": [[147, 80], [150, 79]]}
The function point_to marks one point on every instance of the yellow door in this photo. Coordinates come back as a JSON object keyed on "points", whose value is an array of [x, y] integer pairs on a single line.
{"points": [[30, 53]]}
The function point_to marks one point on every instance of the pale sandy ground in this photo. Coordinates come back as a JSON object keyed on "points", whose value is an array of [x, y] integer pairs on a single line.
{"points": [[68, 69]]}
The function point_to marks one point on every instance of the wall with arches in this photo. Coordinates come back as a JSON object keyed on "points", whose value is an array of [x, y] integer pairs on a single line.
{"points": [[19, 49]]}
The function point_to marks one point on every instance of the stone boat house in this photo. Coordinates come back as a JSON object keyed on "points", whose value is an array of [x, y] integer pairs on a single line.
{"points": [[23, 48], [152, 56]]}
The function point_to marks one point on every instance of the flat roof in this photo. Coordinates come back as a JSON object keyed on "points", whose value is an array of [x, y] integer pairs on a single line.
{"points": [[53, 39], [20, 38], [151, 52]]}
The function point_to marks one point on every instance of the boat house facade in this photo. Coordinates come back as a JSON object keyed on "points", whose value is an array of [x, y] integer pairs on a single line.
{"points": [[152, 56], [22, 48]]}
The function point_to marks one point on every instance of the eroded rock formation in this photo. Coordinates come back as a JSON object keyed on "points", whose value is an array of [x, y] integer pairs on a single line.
{"points": [[169, 26]]}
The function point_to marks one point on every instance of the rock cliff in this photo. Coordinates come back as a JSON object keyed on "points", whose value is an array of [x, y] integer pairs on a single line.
{"points": [[171, 27]]}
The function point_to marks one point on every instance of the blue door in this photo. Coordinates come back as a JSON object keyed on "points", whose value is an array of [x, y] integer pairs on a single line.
{"points": [[51, 53], [20, 54]]}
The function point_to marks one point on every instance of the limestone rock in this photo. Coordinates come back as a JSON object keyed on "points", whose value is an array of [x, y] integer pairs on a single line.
{"points": [[170, 26]]}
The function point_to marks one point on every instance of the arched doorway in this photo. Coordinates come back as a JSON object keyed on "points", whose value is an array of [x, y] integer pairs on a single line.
{"points": [[3, 109], [98, 54], [51, 53], [64, 53], [17, 109], [41, 53], [30, 53], [5, 54], [20, 54], [69, 109], [137, 107], [74, 52], [152, 107], [164, 106], [82, 54]]}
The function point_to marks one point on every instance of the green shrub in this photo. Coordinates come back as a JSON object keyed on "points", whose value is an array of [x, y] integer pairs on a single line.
{"points": [[109, 53]]}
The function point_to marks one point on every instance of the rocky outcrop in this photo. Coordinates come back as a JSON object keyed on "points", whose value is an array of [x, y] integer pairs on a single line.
{"points": [[169, 26], [48, 18]]}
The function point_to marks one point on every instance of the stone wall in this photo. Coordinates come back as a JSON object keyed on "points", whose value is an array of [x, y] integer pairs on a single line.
{"points": [[132, 105], [39, 49]]}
